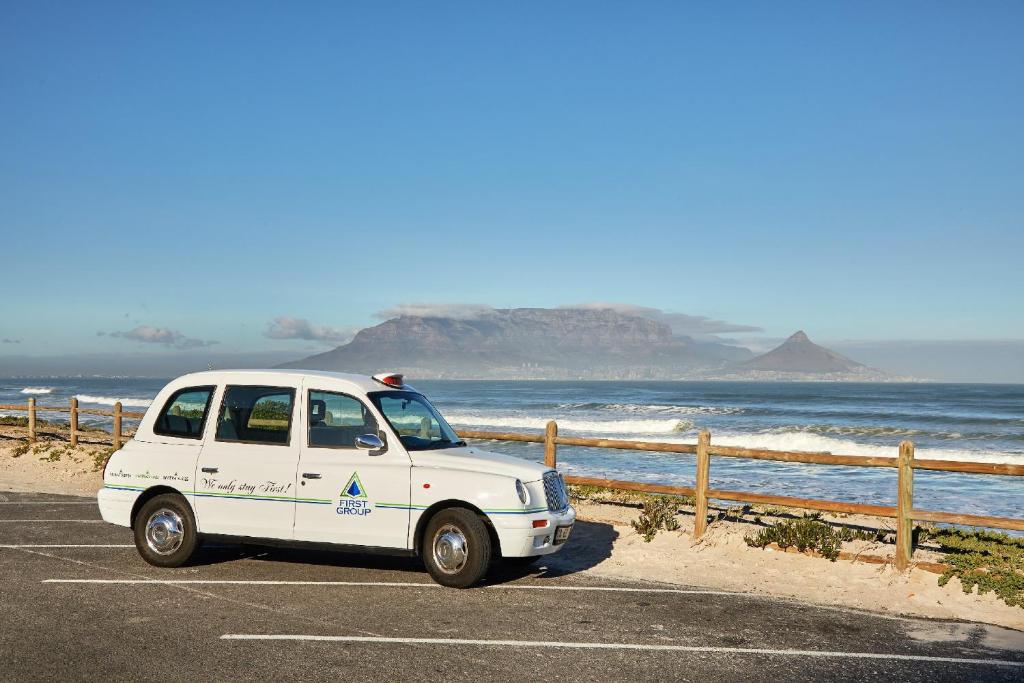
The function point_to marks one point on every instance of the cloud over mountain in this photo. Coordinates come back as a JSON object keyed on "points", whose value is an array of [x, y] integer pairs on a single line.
{"points": [[453, 311], [681, 324]]}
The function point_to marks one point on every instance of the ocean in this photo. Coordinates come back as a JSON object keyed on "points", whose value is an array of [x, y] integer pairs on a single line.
{"points": [[976, 422]]}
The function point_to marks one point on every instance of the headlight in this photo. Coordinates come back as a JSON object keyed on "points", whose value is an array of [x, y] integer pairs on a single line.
{"points": [[524, 495]]}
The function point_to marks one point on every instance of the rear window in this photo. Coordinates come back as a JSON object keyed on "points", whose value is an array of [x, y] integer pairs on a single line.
{"points": [[184, 414], [261, 415]]}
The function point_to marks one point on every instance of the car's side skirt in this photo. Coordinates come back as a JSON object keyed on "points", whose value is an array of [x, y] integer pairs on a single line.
{"points": [[309, 545]]}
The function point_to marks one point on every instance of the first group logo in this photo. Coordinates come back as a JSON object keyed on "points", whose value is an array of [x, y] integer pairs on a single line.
{"points": [[353, 498]]}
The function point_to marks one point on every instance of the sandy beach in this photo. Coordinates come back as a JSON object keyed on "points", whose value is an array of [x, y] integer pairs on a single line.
{"points": [[722, 560]]}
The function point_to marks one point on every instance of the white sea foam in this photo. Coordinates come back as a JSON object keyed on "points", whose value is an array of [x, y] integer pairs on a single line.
{"points": [[36, 390], [108, 401], [652, 408], [622, 427], [670, 431], [815, 443]]}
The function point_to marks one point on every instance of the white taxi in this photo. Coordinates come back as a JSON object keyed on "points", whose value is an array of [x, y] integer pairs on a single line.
{"points": [[298, 458]]}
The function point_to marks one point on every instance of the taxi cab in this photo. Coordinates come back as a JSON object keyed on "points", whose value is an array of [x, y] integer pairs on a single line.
{"points": [[300, 458]]}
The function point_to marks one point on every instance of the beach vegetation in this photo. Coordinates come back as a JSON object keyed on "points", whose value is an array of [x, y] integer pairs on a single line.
{"points": [[13, 421], [21, 449], [809, 533], [989, 561], [53, 454], [659, 512], [100, 458], [604, 494]]}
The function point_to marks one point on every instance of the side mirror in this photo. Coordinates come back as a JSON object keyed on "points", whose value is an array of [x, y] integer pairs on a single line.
{"points": [[369, 442]]}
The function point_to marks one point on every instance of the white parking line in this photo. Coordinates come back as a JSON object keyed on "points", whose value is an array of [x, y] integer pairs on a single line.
{"points": [[27, 521], [241, 582], [382, 584], [69, 545], [48, 502], [618, 646]]}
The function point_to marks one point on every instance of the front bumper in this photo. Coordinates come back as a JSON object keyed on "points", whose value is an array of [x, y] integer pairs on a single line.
{"points": [[530, 541]]}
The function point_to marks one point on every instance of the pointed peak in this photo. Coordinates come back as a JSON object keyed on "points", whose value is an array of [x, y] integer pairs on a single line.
{"points": [[799, 336]]}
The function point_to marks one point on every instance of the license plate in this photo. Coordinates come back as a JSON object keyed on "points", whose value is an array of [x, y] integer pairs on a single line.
{"points": [[562, 534]]}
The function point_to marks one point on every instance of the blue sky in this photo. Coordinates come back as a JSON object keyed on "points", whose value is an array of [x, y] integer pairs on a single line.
{"points": [[850, 169]]}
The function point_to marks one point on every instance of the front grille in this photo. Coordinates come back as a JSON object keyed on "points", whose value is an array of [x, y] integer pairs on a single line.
{"points": [[554, 491]]}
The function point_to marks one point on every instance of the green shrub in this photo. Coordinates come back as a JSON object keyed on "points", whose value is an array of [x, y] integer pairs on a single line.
{"points": [[604, 494], [100, 458], [992, 562], [809, 533], [53, 454], [658, 513], [21, 449], [13, 421]]}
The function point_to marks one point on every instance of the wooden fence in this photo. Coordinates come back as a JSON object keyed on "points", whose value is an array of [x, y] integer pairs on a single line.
{"points": [[905, 463], [118, 414], [904, 512]]}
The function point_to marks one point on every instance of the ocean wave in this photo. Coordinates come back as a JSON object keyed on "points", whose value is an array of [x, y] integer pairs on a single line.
{"points": [[852, 430], [621, 427], [652, 408], [36, 390], [895, 431], [818, 443], [108, 401]]}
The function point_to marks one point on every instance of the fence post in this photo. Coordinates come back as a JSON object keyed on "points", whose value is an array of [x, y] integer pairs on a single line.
{"points": [[700, 521], [117, 426], [73, 422], [31, 420], [904, 506], [550, 447]]}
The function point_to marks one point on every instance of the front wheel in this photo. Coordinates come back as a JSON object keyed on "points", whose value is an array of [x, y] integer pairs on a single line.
{"points": [[165, 531], [456, 548]]}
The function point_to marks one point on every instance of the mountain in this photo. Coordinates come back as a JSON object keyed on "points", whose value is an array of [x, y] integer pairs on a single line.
{"points": [[800, 354], [520, 343], [799, 359]]}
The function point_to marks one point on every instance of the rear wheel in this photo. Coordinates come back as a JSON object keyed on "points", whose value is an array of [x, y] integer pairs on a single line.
{"points": [[456, 548], [165, 531]]}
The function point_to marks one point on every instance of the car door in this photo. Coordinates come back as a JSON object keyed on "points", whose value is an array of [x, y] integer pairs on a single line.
{"points": [[245, 475], [367, 491]]}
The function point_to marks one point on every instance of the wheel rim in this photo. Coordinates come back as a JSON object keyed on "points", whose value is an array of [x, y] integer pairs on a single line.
{"points": [[165, 531], [450, 549]]}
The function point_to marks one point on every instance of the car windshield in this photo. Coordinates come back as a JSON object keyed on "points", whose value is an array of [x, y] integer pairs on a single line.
{"points": [[418, 424]]}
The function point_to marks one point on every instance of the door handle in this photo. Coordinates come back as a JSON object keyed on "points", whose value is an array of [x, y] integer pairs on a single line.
{"points": [[310, 475], [210, 470]]}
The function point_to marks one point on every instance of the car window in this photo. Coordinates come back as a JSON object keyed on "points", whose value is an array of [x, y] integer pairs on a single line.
{"points": [[418, 425], [335, 420], [256, 415], [184, 414]]}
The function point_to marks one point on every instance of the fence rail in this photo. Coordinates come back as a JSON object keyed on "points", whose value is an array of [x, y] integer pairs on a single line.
{"points": [[118, 414], [904, 512]]}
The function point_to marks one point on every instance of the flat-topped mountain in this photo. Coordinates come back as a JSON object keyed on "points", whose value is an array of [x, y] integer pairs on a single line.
{"points": [[800, 354], [526, 343]]}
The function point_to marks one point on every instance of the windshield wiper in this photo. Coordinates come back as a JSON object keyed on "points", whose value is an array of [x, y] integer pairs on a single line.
{"points": [[447, 443]]}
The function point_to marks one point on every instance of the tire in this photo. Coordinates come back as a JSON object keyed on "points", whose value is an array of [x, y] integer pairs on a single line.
{"points": [[520, 561], [456, 548], [165, 531]]}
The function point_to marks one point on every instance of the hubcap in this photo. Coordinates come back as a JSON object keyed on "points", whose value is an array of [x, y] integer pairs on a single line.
{"points": [[165, 531], [450, 549]]}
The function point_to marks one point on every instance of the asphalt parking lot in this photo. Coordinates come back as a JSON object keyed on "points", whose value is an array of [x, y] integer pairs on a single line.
{"points": [[77, 602]]}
